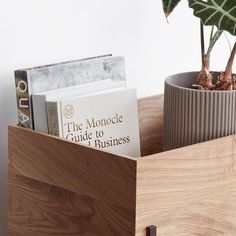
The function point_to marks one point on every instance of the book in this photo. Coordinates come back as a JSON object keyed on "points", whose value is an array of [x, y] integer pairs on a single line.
{"points": [[39, 99], [49, 77], [105, 120]]}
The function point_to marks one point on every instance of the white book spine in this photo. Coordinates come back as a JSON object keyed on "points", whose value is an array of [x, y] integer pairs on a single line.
{"points": [[53, 115]]}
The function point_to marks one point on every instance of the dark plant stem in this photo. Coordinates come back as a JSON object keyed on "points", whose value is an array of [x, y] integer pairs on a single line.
{"points": [[212, 33], [207, 56], [202, 46], [214, 38], [204, 77], [228, 70], [226, 80]]}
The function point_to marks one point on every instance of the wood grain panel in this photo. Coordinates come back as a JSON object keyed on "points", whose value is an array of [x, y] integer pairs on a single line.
{"points": [[40, 209], [72, 166], [189, 191], [150, 123]]}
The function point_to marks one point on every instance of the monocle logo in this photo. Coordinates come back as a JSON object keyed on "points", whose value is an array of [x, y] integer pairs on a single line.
{"points": [[68, 111]]}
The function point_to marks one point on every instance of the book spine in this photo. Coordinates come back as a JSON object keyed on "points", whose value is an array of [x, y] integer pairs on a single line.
{"points": [[53, 118], [40, 113], [25, 116]]}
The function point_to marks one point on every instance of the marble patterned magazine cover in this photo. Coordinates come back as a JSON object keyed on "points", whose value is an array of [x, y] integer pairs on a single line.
{"points": [[49, 77]]}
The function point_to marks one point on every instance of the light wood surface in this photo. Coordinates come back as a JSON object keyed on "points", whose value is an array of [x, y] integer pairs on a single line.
{"points": [[150, 123], [44, 164], [74, 167], [189, 191], [39, 209]]}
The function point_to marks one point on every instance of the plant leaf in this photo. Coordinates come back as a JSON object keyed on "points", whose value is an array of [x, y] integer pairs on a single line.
{"points": [[221, 13], [169, 5]]}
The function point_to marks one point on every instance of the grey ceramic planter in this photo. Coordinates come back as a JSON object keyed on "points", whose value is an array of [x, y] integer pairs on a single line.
{"points": [[193, 116]]}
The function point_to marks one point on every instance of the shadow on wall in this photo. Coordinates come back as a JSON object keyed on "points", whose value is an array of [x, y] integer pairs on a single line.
{"points": [[8, 115]]}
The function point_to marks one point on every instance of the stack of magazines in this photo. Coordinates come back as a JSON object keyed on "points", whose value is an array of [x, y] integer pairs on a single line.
{"points": [[84, 101]]}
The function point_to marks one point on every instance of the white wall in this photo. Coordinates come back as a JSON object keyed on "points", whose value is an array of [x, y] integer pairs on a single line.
{"points": [[41, 31]]}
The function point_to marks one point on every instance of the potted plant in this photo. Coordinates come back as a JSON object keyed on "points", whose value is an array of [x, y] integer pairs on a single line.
{"points": [[199, 106]]}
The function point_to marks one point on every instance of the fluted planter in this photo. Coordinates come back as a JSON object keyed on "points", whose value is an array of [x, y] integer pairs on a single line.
{"points": [[192, 116]]}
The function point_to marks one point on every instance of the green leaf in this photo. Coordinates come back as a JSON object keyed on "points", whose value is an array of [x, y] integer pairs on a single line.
{"points": [[221, 13], [169, 5]]}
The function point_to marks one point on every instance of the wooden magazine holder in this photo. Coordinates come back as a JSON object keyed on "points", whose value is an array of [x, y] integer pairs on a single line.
{"points": [[57, 187]]}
